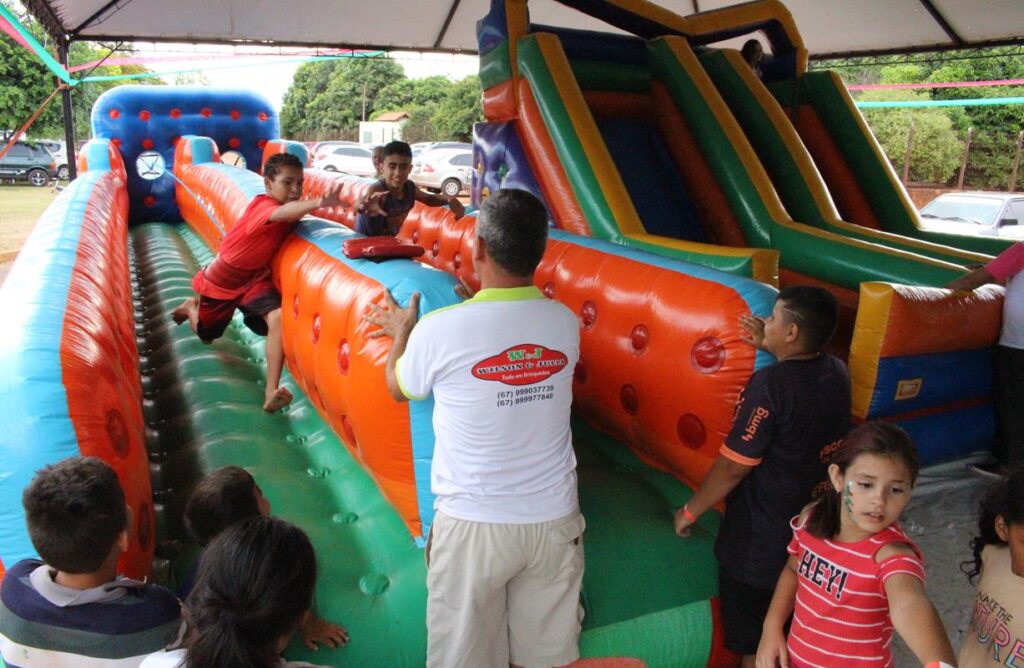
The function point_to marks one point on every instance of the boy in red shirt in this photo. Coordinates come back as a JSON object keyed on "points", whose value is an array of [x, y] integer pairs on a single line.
{"points": [[239, 277]]}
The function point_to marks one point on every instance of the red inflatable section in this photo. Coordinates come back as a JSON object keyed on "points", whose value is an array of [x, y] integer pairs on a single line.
{"points": [[99, 359]]}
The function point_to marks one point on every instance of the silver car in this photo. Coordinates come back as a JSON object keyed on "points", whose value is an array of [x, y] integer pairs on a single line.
{"points": [[990, 214], [448, 170]]}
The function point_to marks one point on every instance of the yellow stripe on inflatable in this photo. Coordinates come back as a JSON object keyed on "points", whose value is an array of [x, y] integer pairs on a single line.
{"points": [[866, 346], [880, 157], [784, 127], [606, 173], [688, 61], [517, 23], [969, 257], [764, 261], [750, 13]]}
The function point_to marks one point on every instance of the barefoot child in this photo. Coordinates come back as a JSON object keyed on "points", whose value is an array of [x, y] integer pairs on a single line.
{"points": [[853, 575], [382, 209], [996, 634], [239, 277]]}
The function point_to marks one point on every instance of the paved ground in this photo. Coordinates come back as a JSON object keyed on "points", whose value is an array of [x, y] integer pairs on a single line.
{"points": [[941, 519]]}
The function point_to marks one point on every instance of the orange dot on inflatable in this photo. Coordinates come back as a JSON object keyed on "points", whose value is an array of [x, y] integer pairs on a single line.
{"points": [[235, 114], [149, 200], [114, 113], [707, 355], [629, 399], [206, 112], [147, 143], [457, 261], [435, 249], [262, 116], [116, 141], [175, 113], [295, 305], [117, 432], [549, 290], [143, 115], [690, 430], [316, 327], [639, 338], [262, 143], [350, 434], [415, 236], [234, 142], [588, 314], [579, 374], [343, 357]]}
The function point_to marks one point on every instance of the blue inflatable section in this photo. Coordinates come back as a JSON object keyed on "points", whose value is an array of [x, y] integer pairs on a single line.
{"points": [[948, 436], [946, 378], [140, 119], [37, 429], [500, 162]]}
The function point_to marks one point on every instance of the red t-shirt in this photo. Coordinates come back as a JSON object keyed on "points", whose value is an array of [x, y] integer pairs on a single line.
{"points": [[245, 251], [841, 617]]}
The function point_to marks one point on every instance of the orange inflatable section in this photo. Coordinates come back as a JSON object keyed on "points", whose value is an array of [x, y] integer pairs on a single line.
{"points": [[646, 333], [99, 360], [933, 320]]}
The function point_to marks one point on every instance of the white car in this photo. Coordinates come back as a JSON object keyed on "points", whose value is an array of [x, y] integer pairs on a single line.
{"points": [[326, 147], [448, 170], [353, 159], [989, 214], [59, 151]]}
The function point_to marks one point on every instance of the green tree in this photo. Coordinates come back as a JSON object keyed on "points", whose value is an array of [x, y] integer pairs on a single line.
{"points": [[406, 94], [335, 103], [937, 148], [419, 128], [25, 82], [460, 109]]}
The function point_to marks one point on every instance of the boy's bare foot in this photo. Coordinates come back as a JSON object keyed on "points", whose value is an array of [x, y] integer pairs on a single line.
{"points": [[181, 313], [277, 400]]}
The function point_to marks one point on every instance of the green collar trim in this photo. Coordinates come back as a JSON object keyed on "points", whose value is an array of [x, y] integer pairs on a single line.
{"points": [[508, 294]]}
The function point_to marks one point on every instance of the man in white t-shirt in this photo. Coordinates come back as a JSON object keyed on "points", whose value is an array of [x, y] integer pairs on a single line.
{"points": [[1008, 361], [505, 553]]}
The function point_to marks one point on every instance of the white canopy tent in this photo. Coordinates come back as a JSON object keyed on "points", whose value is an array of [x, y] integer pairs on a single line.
{"points": [[829, 27]]}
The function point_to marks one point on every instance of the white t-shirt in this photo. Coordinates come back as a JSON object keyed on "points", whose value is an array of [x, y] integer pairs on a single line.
{"points": [[1009, 267], [175, 658], [500, 366]]}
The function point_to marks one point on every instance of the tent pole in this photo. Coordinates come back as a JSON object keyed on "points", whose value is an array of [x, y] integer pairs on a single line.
{"points": [[64, 46]]}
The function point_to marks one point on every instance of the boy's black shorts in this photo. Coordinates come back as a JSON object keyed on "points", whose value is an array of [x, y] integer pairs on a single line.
{"points": [[743, 611]]}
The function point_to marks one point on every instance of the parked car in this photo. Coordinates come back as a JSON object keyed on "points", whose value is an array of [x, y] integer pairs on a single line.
{"points": [[442, 145], [324, 148], [448, 170], [58, 149], [27, 161], [352, 159], [992, 214]]}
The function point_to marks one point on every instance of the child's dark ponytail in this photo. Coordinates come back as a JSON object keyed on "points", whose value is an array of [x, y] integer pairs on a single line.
{"points": [[871, 438], [1005, 498]]}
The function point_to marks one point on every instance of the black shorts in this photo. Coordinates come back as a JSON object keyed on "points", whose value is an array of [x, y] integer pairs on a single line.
{"points": [[744, 608]]}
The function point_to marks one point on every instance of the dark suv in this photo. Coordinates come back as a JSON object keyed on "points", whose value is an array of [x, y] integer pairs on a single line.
{"points": [[27, 161]]}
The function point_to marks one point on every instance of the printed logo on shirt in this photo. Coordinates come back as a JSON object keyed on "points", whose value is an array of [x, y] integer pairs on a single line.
{"points": [[823, 573], [753, 422], [826, 453], [989, 623], [524, 364]]}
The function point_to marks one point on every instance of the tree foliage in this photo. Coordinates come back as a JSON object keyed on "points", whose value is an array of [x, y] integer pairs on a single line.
{"points": [[25, 82], [994, 128], [326, 100]]}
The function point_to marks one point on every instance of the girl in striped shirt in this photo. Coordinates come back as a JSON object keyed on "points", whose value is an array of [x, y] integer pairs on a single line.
{"points": [[853, 575]]}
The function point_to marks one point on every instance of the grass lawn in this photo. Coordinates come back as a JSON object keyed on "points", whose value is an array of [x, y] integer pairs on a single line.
{"points": [[20, 208]]}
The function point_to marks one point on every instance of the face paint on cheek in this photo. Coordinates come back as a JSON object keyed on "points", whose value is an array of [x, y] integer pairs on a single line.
{"points": [[848, 497]]}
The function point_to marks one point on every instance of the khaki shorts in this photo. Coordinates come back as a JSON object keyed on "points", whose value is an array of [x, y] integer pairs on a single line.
{"points": [[504, 593]]}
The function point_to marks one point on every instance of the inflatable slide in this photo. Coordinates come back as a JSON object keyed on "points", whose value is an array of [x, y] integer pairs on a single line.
{"points": [[657, 139]]}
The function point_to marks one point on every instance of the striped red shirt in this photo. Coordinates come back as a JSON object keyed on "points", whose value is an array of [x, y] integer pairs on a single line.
{"points": [[841, 617]]}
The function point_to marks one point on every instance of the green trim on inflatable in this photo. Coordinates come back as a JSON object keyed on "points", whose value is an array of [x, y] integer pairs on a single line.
{"points": [[609, 76], [764, 137], [751, 213], [586, 187], [205, 403], [495, 66]]}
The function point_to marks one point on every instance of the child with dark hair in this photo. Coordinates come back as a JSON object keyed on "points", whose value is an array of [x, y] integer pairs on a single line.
{"points": [[72, 608], [224, 498], [239, 277], [996, 634], [852, 574], [789, 417], [256, 583], [382, 209]]}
